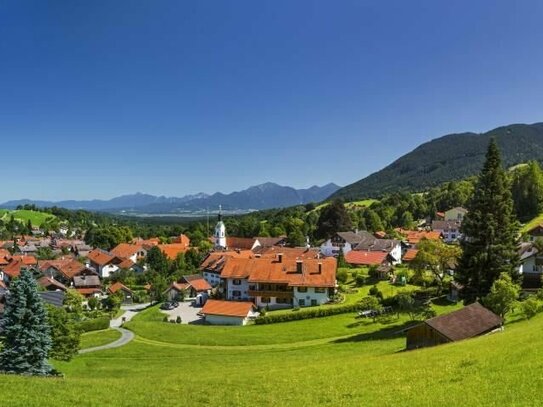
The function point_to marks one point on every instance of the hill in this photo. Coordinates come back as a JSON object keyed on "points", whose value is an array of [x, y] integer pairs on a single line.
{"points": [[264, 196], [37, 218], [448, 158], [301, 367]]}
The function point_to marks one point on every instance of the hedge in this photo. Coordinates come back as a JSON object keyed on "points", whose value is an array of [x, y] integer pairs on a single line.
{"points": [[95, 324], [317, 312]]}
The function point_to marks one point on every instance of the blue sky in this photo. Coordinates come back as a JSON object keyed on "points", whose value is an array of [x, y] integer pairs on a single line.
{"points": [[101, 98]]}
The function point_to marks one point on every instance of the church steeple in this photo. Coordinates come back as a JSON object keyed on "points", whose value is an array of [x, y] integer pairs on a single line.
{"points": [[220, 232]]}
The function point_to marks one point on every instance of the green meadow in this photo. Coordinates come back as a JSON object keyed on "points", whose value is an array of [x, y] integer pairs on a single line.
{"points": [[37, 218], [333, 361]]}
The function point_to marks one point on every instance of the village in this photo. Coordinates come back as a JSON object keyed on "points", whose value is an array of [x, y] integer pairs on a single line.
{"points": [[244, 280]]}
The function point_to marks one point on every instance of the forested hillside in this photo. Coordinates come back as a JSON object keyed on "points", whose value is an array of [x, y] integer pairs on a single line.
{"points": [[452, 157]]}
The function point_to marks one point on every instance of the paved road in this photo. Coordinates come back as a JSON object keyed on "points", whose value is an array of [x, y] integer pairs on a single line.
{"points": [[126, 335], [187, 312]]}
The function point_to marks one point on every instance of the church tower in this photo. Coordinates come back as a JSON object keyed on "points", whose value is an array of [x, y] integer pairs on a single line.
{"points": [[220, 232]]}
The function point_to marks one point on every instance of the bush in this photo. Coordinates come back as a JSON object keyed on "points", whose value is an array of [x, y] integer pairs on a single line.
{"points": [[372, 272], [360, 279], [376, 293], [342, 275], [165, 319], [317, 312], [178, 319], [96, 324], [369, 303], [530, 307], [406, 273]]}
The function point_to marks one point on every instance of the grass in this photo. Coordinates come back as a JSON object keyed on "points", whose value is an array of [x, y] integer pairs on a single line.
{"points": [[495, 370], [351, 205], [99, 338], [37, 218]]}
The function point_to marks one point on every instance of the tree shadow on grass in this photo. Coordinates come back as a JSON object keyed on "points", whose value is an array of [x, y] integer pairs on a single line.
{"points": [[391, 332]]}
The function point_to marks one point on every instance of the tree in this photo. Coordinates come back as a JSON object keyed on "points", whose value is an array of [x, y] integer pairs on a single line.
{"points": [[157, 260], [527, 191], [73, 303], [530, 307], [489, 229], [502, 296], [27, 335], [436, 257], [158, 286], [65, 333], [113, 302], [93, 303], [333, 218]]}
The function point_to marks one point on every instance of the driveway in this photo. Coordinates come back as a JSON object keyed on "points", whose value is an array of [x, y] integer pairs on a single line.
{"points": [[129, 312], [186, 311]]}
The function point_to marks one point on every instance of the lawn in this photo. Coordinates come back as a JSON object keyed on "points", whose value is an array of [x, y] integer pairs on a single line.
{"points": [[495, 370], [366, 203], [533, 223], [99, 338]]}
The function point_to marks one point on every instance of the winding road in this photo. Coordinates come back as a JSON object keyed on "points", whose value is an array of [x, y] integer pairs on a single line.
{"points": [[126, 336]]}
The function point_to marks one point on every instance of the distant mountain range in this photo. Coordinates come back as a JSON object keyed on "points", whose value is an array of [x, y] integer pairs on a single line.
{"points": [[451, 157], [264, 196]]}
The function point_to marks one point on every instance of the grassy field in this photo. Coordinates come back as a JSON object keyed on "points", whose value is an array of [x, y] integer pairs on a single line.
{"points": [[351, 205], [99, 338], [496, 370], [37, 218]]}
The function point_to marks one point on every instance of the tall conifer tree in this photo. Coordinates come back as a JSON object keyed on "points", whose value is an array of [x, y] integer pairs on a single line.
{"points": [[490, 231], [27, 333]]}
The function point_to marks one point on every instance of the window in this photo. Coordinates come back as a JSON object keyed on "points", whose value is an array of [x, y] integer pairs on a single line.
{"points": [[265, 300], [313, 303], [302, 289], [301, 303], [237, 282], [320, 290], [283, 300], [236, 293]]}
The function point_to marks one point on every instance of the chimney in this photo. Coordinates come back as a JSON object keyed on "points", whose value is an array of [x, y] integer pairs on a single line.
{"points": [[299, 264], [280, 257], [320, 267]]}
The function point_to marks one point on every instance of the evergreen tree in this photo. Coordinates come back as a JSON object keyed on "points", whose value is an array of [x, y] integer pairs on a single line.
{"points": [[489, 228], [27, 334], [333, 218]]}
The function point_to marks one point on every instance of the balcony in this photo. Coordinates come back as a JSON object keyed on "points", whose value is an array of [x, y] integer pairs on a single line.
{"points": [[270, 293]]}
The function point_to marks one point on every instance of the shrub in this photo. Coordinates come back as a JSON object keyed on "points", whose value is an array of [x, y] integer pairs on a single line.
{"points": [[342, 275], [369, 303], [376, 292], [96, 324], [316, 312], [530, 307], [372, 272], [360, 279], [178, 319], [165, 319], [406, 273]]}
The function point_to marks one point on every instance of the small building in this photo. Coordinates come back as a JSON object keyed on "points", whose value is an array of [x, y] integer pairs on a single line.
{"points": [[449, 229], [468, 322], [367, 258], [218, 312], [189, 286], [50, 284], [128, 294], [455, 214]]}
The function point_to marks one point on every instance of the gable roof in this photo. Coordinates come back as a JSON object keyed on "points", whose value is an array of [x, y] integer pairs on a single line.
{"points": [[242, 243], [470, 321], [118, 286], [125, 250], [197, 282], [410, 255], [100, 257], [87, 281], [51, 282], [415, 236], [366, 257], [227, 308], [171, 250]]}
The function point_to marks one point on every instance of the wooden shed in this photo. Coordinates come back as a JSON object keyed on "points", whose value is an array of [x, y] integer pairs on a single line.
{"points": [[468, 322]]}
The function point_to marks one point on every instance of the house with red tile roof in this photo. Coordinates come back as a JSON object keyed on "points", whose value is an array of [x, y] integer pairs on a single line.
{"points": [[129, 251], [279, 282], [218, 312], [410, 255], [128, 294], [50, 284], [172, 250], [367, 258]]}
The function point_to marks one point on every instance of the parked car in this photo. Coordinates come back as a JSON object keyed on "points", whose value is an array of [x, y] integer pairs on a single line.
{"points": [[175, 304], [167, 306]]}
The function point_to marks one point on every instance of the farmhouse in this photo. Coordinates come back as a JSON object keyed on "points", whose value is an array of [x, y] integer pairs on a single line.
{"points": [[531, 265], [190, 286], [228, 312], [362, 241], [449, 229], [468, 322]]}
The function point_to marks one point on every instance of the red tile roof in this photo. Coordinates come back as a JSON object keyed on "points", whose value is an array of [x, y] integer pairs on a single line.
{"points": [[48, 282], [125, 250], [173, 249], [314, 272], [244, 243], [100, 257], [197, 282], [365, 258], [415, 236], [88, 291], [410, 255], [181, 239], [118, 286], [227, 308]]}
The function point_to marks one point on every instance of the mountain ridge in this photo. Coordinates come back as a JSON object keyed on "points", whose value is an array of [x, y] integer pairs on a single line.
{"points": [[263, 196], [446, 158]]}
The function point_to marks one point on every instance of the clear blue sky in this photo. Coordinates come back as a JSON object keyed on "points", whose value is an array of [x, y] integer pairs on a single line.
{"points": [[101, 98]]}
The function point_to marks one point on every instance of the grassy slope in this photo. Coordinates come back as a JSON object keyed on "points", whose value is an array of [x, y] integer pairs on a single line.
{"points": [[37, 218], [501, 369], [534, 222], [99, 338]]}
